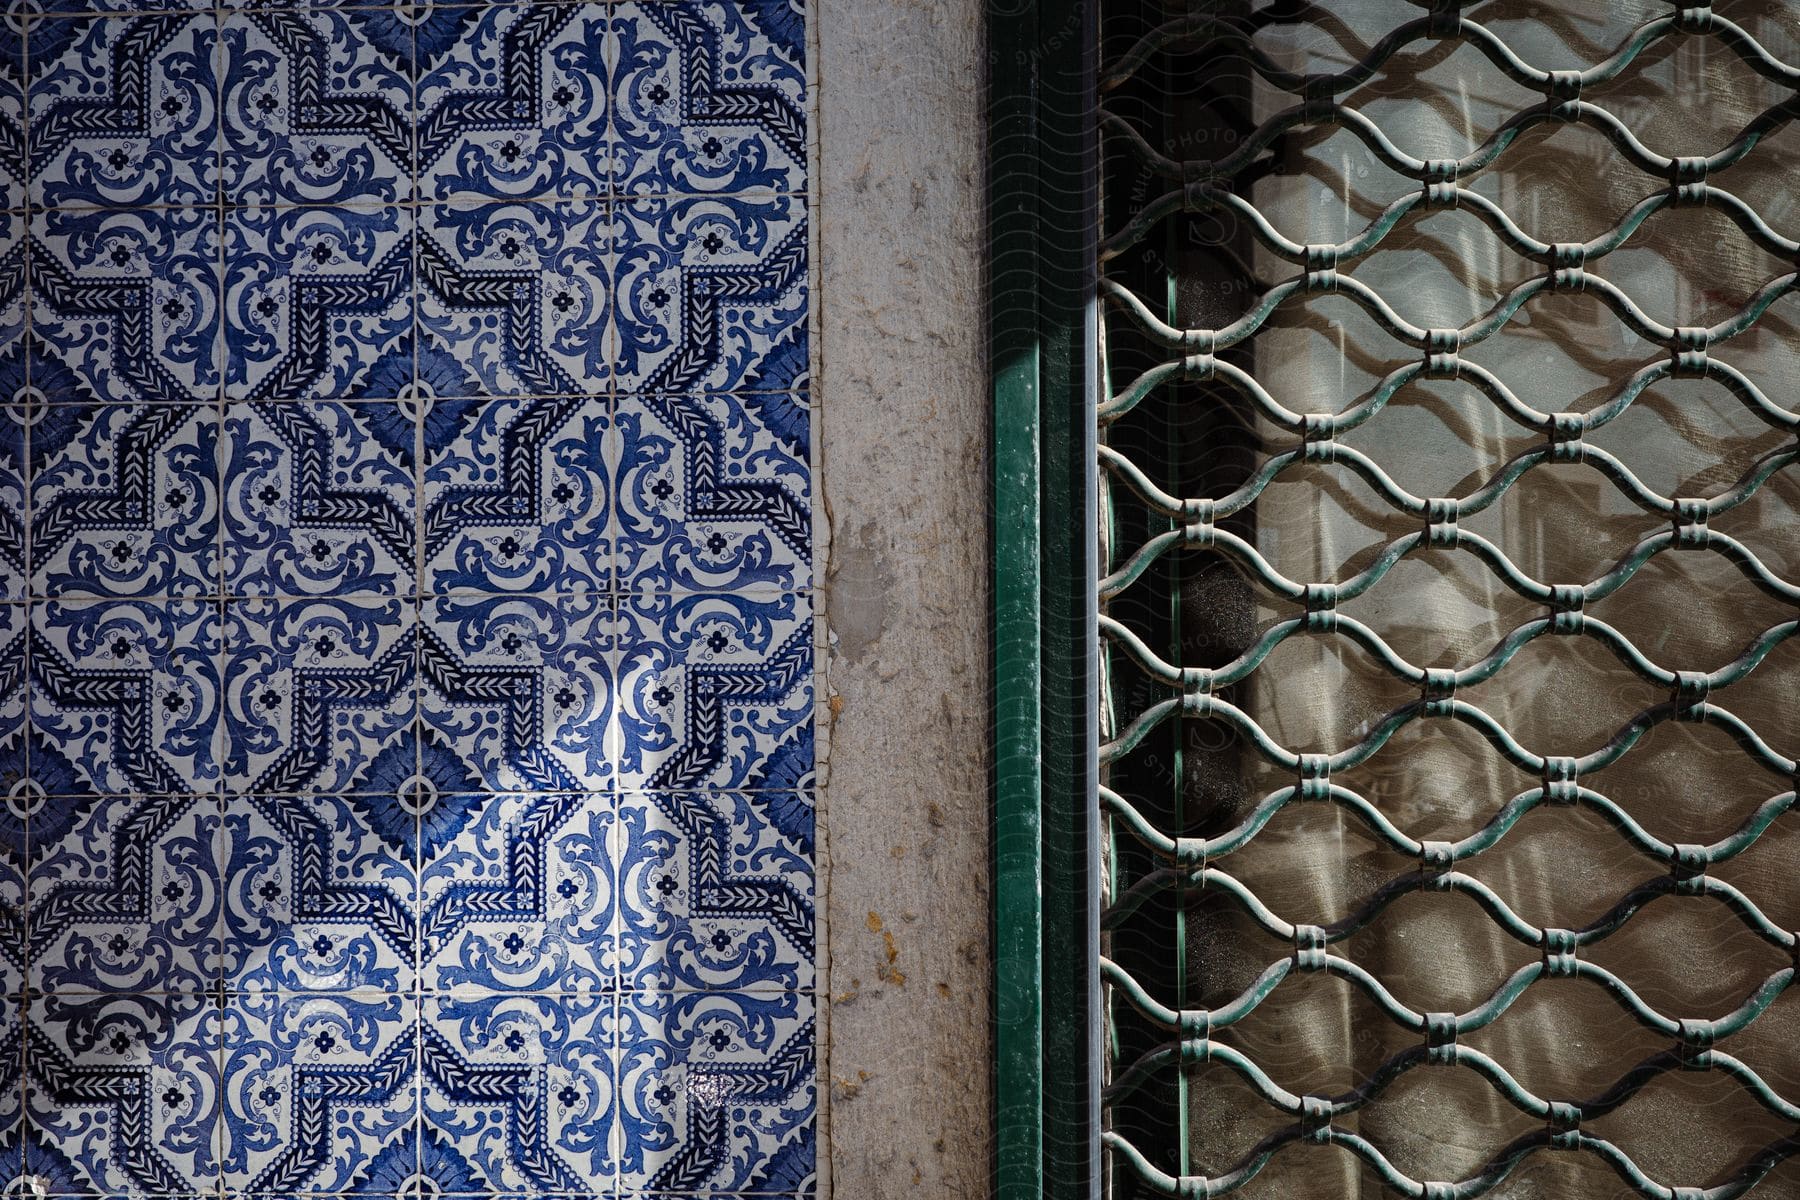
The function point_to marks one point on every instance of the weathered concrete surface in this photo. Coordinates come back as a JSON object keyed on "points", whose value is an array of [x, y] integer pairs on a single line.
{"points": [[903, 423]]}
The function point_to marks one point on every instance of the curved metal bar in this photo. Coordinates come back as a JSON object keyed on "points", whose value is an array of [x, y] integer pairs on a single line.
{"points": [[1221, 30]]}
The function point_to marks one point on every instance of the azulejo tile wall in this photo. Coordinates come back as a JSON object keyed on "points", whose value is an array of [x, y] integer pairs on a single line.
{"points": [[406, 649]]}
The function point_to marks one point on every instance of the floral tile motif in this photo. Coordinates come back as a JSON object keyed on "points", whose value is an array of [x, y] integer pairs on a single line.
{"points": [[522, 1086], [317, 106], [123, 112], [710, 293], [125, 697], [314, 690], [319, 893], [714, 492], [716, 891], [710, 97], [521, 897], [123, 1092], [123, 894], [715, 691], [520, 688], [319, 303], [512, 101], [316, 1088], [518, 293], [125, 500], [125, 305], [320, 499], [516, 496], [716, 1092]]}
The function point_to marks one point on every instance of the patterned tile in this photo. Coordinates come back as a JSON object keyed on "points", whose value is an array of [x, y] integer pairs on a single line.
{"points": [[319, 893], [314, 690], [716, 691], [15, 468], [716, 1092], [521, 897], [123, 1092], [317, 106], [710, 97], [516, 497], [15, 391], [316, 1088], [15, 170], [319, 303], [716, 891], [125, 696], [512, 101], [520, 688], [125, 305], [406, 651], [710, 293], [20, 796], [125, 500], [123, 112], [85, 7], [713, 493], [522, 1086], [319, 499], [518, 294], [124, 894]]}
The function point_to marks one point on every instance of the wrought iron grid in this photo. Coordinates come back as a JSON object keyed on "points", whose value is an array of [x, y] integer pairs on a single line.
{"points": [[1196, 524]]}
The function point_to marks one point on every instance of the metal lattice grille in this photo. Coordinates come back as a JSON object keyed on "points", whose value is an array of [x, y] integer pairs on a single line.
{"points": [[1222, 443]]}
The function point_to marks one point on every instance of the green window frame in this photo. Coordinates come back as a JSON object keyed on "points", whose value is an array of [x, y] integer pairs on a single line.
{"points": [[1043, 229]]}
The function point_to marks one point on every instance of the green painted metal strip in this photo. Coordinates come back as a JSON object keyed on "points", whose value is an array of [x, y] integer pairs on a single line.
{"points": [[1017, 640]]}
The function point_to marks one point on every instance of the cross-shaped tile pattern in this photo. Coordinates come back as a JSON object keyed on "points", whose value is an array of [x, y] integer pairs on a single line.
{"points": [[406, 639]]}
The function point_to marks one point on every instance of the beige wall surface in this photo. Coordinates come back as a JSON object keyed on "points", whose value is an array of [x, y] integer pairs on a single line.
{"points": [[901, 393]]}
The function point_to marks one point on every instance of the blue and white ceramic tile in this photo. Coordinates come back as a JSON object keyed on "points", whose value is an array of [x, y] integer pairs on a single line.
{"points": [[314, 690], [320, 500], [716, 1092], [512, 101], [20, 795], [12, 1095], [125, 500], [15, 171], [713, 492], [522, 1086], [710, 97], [319, 303], [516, 496], [125, 696], [519, 294], [317, 106], [711, 293], [316, 1088], [716, 691], [123, 1092], [15, 417], [123, 111], [126, 304], [406, 652], [124, 894], [522, 897], [716, 891], [319, 893], [14, 250], [520, 688]]}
